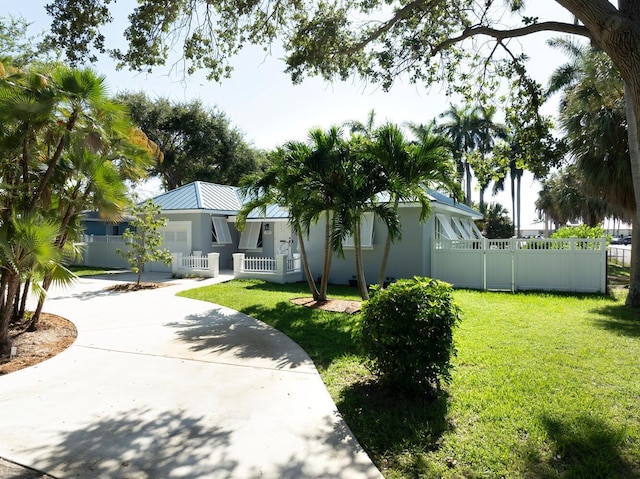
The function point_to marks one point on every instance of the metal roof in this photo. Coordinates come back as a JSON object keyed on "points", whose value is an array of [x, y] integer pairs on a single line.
{"points": [[200, 195], [227, 200], [447, 200]]}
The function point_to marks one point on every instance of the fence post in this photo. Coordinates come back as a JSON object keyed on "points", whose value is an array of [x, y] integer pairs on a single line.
{"points": [[513, 246], [238, 259], [603, 266], [281, 267], [214, 264], [572, 247], [485, 246], [176, 260]]}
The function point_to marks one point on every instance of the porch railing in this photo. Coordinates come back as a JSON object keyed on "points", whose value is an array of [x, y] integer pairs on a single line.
{"points": [[102, 239], [281, 269], [263, 265]]}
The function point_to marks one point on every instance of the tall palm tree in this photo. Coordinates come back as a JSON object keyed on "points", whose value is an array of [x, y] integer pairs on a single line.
{"points": [[488, 132], [409, 169], [463, 129]]}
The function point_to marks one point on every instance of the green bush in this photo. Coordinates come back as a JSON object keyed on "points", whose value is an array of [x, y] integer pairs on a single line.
{"points": [[407, 331], [580, 231]]}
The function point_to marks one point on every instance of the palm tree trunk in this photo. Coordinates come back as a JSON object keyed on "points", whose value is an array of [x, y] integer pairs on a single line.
{"points": [[633, 296], [23, 300], [513, 198], [305, 266], [362, 282], [44, 181], [467, 173], [11, 284], [326, 265], [33, 323], [387, 249], [518, 196]]}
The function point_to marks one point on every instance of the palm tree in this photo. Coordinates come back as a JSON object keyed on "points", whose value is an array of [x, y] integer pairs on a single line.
{"points": [[463, 128], [51, 116], [409, 169], [565, 197], [597, 134], [359, 179], [488, 132], [283, 183], [319, 170], [27, 249]]}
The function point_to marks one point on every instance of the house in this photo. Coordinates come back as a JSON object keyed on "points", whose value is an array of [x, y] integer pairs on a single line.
{"points": [[202, 235], [201, 220]]}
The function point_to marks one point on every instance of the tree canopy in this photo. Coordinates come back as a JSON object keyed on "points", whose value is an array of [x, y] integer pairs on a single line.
{"points": [[198, 143]]}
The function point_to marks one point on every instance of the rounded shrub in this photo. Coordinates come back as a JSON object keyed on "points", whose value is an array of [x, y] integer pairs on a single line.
{"points": [[407, 331]]}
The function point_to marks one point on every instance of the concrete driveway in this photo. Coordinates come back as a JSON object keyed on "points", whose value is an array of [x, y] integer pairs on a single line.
{"points": [[158, 386]]}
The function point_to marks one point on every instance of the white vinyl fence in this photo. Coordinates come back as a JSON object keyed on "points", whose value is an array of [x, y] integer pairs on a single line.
{"points": [[575, 264]]}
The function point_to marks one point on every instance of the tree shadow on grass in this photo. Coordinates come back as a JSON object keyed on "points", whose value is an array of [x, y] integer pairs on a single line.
{"points": [[585, 447], [324, 335], [389, 423], [619, 319]]}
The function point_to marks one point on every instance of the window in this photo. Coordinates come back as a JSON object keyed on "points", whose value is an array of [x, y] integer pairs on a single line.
{"points": [[366, 232], [115, 230], [251, 237], [220, 233], [445, 231]]}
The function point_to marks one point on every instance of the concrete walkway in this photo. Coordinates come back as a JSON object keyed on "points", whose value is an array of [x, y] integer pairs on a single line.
{"points": [[157, 386]]}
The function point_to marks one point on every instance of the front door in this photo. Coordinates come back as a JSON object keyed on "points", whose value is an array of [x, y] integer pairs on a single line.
{"points": [[282, 239]]}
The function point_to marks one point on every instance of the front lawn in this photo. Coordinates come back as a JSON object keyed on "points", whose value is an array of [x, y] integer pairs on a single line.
{"points": [[544, 385]]}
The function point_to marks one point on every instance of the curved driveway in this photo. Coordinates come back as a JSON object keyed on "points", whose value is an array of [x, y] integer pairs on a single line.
{"points": [[157, 386]]}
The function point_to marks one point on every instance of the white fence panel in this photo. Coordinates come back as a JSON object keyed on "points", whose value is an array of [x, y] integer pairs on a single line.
{"points": [[457, 262], [552, 265], [543, 269]]}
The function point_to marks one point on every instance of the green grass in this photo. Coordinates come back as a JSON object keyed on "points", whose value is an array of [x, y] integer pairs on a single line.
{"points": [[544, 385], [79, 270]]}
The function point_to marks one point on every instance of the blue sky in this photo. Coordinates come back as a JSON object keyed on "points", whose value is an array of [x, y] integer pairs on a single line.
{"points": [[260, 100]]}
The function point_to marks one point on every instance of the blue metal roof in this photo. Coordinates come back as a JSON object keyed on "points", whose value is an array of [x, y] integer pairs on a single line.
{"points": [[228, 200], [447, 200], [200, 195]]}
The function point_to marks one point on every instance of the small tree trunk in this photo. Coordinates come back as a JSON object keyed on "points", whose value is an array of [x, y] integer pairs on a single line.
{"points": [[387, 249], [326, 265], [305, 266], [11, 285], [362, 282], [33, 323]]}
